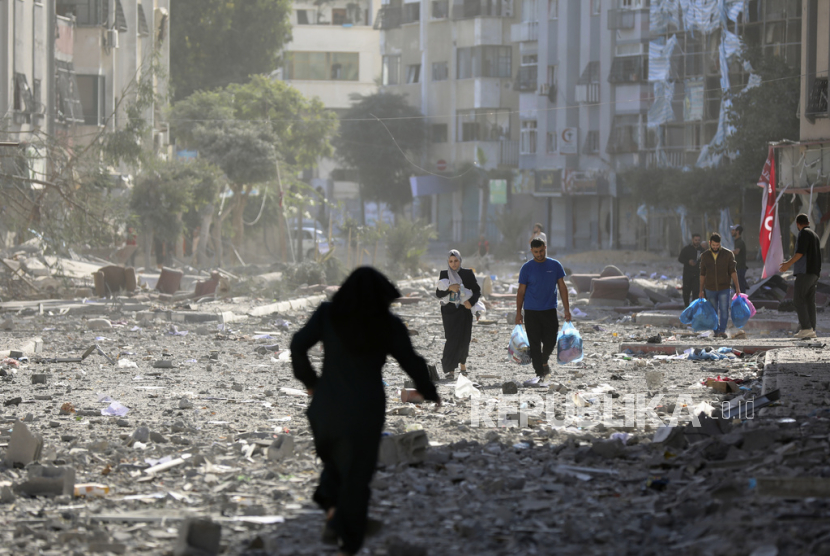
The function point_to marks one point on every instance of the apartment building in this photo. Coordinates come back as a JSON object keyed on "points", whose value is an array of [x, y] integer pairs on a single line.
{"points": [[68, 63], [455, 62], [334, 54]]}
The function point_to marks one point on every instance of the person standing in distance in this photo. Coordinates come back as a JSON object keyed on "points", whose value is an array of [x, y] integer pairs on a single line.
{"points": [[717, 267], [457, 315], [740, 256], [538, 234], [806, 265], [689, 257], [539, 279]]}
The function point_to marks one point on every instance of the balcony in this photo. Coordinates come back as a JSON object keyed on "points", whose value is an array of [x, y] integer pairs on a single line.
{"points": [[526, 81], [527, 31], [388, 18], [466, 9], [509, 153], [620, 19], [669, 157], [587, 93]]}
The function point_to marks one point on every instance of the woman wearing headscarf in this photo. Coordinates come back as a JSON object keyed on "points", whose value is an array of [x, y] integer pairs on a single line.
{"points": [[348, 402], [458, 291]]}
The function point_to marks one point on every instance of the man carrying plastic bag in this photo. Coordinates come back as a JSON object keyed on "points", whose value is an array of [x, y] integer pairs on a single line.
{"points": [[717, 269], [539, 279], [569, 345]]}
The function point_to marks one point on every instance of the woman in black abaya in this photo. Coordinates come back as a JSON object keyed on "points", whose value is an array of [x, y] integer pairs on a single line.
{"points": [[348, 402], [456, 312]]}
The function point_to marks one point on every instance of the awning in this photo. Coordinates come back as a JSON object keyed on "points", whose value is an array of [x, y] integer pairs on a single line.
{"points": [[432, 185]]}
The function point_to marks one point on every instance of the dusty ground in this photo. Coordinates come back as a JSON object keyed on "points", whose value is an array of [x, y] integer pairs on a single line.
{"points": [[482, 490]]}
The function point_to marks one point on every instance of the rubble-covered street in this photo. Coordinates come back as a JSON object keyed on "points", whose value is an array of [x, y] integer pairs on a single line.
{"points": [[125, 417]]}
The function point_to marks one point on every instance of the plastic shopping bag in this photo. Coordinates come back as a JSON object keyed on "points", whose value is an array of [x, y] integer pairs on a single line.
{"points": [[700, 315], [568, 345], [519, 347], [742, 310]]}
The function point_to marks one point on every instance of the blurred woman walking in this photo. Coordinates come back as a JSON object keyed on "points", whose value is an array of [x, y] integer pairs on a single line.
{"points": [[458, 291]]}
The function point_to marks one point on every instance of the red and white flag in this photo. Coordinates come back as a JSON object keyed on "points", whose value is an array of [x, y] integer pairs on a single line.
{"points": [[770, 236]]}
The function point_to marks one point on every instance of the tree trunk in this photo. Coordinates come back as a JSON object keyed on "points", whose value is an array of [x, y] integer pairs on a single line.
{"points": [[148, 249], [179, 246], [240, 200], [217, 240], [204, 233]]}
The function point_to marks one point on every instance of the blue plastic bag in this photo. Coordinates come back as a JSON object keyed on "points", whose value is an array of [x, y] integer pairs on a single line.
{"points": [[741, 310], [700, 315], [568, 345], [519, 347]]}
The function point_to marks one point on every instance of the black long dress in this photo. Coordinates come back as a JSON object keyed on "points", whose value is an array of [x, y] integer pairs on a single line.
{"points": [[458, 322], [348, 408]]}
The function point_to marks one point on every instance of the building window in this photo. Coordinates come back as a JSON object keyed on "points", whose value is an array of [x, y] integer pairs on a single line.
{"points": [[302, 17], [551, 142], [413, 73], [391, 71], [633, 4], [484, 61], [411, 12], [438, 133], [527, 139], [526, 79], [86, 12], [440, 71], [91, 91], [596, 7], [483, 124], [553, 9], [23, 98], [592, 142], [625, 134], [529, 11], [628, 69], [440, 9], [322, 66], [338, 16]]}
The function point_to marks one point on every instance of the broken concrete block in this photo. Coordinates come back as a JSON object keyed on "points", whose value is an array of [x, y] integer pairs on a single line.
{"points": [[98, 324], [281, 448], [7, 324], [509, 387], [410, 448], [6, 493], [24, 446], [608, 449], [582, 282], [610, 270], [198, 537], [40, 378], [169, 280], [612, 287], [49, 480]]}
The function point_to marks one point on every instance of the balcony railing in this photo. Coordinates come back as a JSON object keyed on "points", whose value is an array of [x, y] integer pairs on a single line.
{"points": [[526, 31], [587, 93], [620, 19], [509, 153], [669, 157], [465, 9]]}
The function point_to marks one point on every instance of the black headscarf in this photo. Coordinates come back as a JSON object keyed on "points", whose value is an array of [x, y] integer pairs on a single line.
{"points": [[360, 309]]}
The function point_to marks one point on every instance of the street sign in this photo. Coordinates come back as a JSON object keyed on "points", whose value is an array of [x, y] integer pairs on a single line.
{"points": [[498, 192], [441, 165], [568, 139]]}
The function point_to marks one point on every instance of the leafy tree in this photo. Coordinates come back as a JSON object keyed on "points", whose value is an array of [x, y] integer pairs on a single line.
{"points": [[216, 42], [247, 130], [379, 150], [406, 242]]}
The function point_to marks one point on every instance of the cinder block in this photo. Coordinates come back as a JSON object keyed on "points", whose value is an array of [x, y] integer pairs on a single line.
{"points": [[24, 446], [49, 480], [198, 537]]}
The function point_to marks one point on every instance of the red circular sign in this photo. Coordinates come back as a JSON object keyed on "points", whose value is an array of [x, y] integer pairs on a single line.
{"points": [[441, 165]]}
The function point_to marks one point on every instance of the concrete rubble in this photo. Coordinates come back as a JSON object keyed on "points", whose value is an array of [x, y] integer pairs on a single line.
{"points": [[169, 422]]}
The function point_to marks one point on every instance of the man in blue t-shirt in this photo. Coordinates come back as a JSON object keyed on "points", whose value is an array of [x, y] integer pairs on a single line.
{"points": [[538, 281]]}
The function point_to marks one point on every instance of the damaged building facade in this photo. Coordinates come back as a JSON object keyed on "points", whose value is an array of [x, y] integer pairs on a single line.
{"points": [[333, 54], [68, 63], [561, 95]]}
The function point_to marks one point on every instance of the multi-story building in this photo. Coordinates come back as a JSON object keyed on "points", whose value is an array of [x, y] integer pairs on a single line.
{"points": [[455, 62], [334, 54], [69, 63]]}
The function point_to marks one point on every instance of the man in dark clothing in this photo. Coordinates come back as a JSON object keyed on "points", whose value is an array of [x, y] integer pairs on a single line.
{"points": [[539, 278], [348, 402], [689, 257], [717, 269], [740, 256], [806, 265]]}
